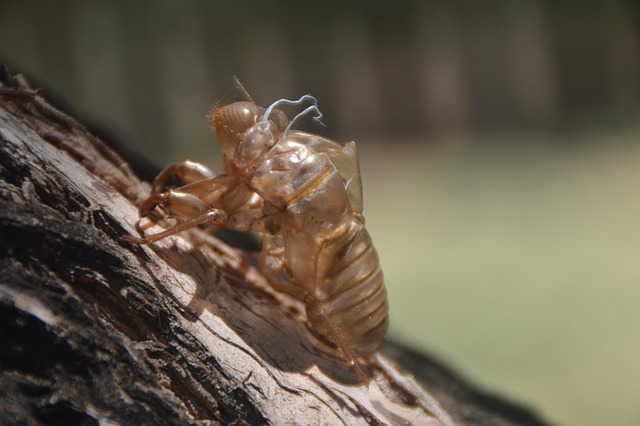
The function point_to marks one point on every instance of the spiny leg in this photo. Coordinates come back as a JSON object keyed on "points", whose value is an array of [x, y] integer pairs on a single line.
{"points": [[186, 171], [214, 216], [336, 335], [178, 204]]}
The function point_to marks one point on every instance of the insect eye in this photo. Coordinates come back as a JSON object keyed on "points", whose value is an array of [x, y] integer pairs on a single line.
{"points": [[230, 122]]}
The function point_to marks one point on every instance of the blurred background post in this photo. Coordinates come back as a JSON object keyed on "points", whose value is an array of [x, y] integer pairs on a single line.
{"points": [[499, 142]]}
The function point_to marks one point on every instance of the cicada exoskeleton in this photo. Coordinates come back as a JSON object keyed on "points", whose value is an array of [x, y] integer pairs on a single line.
{"points": [[303, 193]]}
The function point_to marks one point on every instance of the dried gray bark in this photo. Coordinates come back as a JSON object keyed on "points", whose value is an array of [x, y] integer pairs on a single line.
{"points": [[94, 330]]}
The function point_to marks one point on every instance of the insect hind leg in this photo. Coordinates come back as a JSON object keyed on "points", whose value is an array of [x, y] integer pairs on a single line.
{"points": [[335, 335], [271, 262]]}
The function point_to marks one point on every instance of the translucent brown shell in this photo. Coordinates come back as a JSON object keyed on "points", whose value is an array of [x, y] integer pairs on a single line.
{"points": [[230, 122], [303, 193]]}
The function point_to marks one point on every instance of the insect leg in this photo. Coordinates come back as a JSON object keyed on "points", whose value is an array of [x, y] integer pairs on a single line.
{"points": [[179, 204], [272, 264], [271, 261], [213, 216], [335, 335], [186, 171]]}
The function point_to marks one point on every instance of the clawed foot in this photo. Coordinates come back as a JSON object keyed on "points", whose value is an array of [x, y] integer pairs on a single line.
{"points": [[356, 369]]}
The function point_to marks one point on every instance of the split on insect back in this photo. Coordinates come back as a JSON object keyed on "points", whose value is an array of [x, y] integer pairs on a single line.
{"points": [[303, 194]]}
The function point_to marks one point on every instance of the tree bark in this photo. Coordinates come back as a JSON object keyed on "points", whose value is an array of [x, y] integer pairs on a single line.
{"points": [[185, 331]]}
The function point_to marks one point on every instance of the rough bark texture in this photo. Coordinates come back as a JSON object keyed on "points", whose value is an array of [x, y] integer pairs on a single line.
{"points": [[94, 330]]}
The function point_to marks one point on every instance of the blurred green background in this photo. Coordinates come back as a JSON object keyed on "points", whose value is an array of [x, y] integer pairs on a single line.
{"points": [[499, 142]]}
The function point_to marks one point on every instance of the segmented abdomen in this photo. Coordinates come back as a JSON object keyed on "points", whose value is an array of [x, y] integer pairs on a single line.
{"points": [[353, 295]]}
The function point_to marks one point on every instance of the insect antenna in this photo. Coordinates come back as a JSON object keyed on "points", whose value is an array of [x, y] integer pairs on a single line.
{"points": [[242, 89]]}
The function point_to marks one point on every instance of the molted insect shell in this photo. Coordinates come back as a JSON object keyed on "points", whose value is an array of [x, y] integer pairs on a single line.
{"points": [[257, 140], [280, 118], [303, 193], [231, 121]]}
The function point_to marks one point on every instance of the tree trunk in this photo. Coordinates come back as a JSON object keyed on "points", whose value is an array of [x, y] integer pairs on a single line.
{"points": [[93, 329]]}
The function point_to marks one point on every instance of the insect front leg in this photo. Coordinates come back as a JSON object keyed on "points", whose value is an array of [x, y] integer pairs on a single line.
{"points": [[187, 204], [186, 172], [182, 205]]}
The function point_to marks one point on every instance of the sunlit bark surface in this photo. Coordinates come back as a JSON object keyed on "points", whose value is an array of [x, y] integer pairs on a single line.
{"points": [[93, 329]]}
